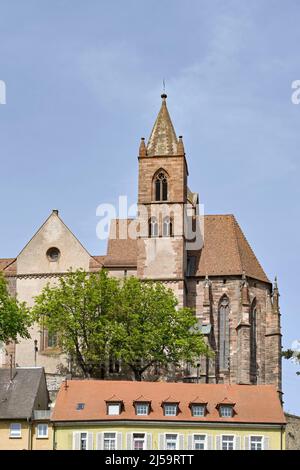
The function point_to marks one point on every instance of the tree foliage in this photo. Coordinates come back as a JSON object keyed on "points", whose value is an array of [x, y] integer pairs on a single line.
{"points": [[293, 355], [15, 318], [98, 318]]}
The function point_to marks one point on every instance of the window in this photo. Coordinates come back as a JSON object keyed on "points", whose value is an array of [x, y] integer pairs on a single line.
{"points": [[167, 227], [139, 442], [224, 333], [253, 343], [199, 441], [109, 440], [256, 443], [48, 340], [42, 431], [15, 430], [153, 227], [142, 409], [226, 411], [53, 254], [227, 442], [83, 441], [198, 410], [80, 406], [170, 410], [171, 441], [161, 187], [113, 409]]}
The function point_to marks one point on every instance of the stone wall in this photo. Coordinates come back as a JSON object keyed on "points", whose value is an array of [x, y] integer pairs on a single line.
{"points": [[292, 432]]}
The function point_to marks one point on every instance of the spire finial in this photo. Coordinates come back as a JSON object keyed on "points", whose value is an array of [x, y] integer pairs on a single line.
{"points": [[164, 94]]}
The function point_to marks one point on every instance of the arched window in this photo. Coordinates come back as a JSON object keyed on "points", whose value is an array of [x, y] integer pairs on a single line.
{"points": [[223, 315], [153, 227], [253, 343], [167, 227], [161, 187]]}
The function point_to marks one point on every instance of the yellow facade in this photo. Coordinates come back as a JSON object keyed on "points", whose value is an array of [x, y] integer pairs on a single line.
{"points": [[28, 437], [274, 436]]}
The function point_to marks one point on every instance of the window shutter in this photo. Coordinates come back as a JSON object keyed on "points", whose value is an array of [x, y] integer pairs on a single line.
{"points": [[237, 442], [218, 442], [99, 441], [149, 441], [119, 441], [161, 442], [247, 443], [181, 442], [90, 442], [266, 441], [76, 440], [210, 444], [129, 440], [190, 442]]}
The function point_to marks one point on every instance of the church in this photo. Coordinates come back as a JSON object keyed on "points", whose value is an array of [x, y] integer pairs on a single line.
{"points": [[205, 259]]}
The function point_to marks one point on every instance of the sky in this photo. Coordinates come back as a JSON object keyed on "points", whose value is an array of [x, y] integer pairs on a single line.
{"points": [[83, 83]]}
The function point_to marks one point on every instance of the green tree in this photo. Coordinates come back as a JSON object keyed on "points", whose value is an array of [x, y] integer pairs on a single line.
{"points": [[154, 332], [15, 318], [79, 309], [98, 318], [294, 355]]}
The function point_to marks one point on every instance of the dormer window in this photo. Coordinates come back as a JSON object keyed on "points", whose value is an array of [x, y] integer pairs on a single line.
{"points": [[226, 411], [114, 408], [142, 409], [170, 409], [198, 410]]}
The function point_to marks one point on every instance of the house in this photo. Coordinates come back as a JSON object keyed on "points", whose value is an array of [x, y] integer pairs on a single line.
{"points": [[123, 415], [24, 412]]}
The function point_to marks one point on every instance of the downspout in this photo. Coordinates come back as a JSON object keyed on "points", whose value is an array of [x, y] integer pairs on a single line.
{"points": [[29, 433], [281, 437], [53, 437]]}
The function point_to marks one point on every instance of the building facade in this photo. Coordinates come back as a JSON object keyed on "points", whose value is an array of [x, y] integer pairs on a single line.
{"points": [[205, 259], [24, 410], [108, 415]]}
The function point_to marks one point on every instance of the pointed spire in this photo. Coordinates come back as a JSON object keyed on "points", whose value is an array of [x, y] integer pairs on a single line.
{"points": [[276, 296], [163, 140], [180, 146], [206, 300], [245, 290], [143, 150]]}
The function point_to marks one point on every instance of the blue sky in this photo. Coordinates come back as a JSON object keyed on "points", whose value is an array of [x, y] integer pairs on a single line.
{"points": [[83, 85]]}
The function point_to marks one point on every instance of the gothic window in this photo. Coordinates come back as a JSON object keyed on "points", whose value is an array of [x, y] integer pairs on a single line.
{"points": [[161, 187], [153, 227], [253, 343], [167, 227], [223, 315]]}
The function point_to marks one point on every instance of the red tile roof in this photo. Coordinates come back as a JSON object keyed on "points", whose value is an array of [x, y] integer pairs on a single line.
{"points": [[253, 403]]}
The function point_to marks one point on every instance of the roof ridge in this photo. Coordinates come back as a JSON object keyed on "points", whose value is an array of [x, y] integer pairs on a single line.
{"points": [[232, 218]]}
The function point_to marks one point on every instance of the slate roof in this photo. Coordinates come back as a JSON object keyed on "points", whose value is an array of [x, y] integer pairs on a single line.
{"points": [[17, 397], [253, 403]]}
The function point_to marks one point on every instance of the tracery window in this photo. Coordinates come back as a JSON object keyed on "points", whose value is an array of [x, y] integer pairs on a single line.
{"points": [[161, 187], [253, 342], [153, 227], [223, 315], [167, 227]]}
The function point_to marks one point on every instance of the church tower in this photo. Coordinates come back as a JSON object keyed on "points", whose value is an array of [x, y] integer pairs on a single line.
{"points": [[162, 198]]}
